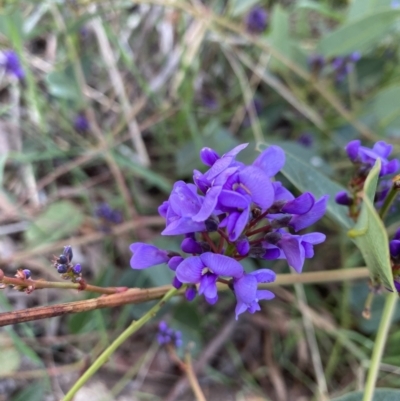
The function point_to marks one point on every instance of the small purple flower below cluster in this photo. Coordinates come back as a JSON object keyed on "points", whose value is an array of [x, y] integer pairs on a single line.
{"points": [[256, 20], [81, 124], [168, 336], [11, 64], [234, 211], [107, 213]]}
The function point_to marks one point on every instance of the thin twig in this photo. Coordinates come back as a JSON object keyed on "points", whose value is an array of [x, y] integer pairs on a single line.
{"points": [[135, 295], [194, 383]]}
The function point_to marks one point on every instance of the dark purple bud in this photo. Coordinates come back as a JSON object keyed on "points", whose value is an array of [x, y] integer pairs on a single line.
{"points": [[316, 62], [306, 140], [209, 156], [191, 292], [62, 259], [397, 234], [243, 246], [394, 247], [174, 262], [342, 198], [211, 224], [271, 254], [116, 217], [62, 269], [81, 124], [27, 273], [68, 252], [189, 245], [77, 269], [256, 20], [176, 283], [273, 238], [210, 102], [281, 223], [397, 285]]}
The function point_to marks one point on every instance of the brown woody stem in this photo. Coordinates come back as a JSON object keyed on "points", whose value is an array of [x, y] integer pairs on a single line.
{"points": [[136, 295]]}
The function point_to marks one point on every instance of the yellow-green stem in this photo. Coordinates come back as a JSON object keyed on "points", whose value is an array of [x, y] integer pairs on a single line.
{"points": [[388, 311], [103, 358]]}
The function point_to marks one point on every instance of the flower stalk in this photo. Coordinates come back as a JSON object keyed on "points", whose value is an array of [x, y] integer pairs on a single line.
{"points": [[103, 358], [384, 326]]}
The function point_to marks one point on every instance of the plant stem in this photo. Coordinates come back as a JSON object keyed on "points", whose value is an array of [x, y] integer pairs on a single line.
{"points": [[194, 383], [388, 311], [390, 197], [40, 284], [137, 295], [103, 358]]}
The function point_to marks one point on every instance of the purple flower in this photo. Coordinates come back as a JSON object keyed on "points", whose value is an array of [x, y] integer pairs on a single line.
{"points": [[343, 198], [246, 291], [249, 214], [300, 221], [10, 61], [294, 248], [205, 270], [168, 336], [209, 102], [367, 157], [183, 204], [256, 20], [306, 140], [81, 123], [145, 255]]}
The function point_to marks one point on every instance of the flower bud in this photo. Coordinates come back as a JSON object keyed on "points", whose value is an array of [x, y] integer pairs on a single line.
{"points": [[27, 273], [62, 269], [208, 156], [77, 269]]}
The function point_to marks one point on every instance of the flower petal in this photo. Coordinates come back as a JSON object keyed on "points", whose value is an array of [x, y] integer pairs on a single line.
{"points": [[145, 255], [271, 160], [300, 205], [245, 289], [209, 203], [184, 225], [293, 251], [190, 270], [299, 222], [264, 275], [222, 265]]}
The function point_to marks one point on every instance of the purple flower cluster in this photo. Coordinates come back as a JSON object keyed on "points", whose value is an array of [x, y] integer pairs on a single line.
{"points": [[341, 66], [256, 20], [234, 211], [9, 60], [105, 212], [364, 159], [167, 336]]}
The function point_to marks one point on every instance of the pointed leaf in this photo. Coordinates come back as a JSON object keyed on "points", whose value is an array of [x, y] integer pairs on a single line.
{"points": [[370, 234]]}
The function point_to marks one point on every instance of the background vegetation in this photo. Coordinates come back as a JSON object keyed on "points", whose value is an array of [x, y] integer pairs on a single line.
{"points": [[117, 100]]}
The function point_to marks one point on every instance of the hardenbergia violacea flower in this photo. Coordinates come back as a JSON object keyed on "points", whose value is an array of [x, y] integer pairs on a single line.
{"points": [[234, 211]]}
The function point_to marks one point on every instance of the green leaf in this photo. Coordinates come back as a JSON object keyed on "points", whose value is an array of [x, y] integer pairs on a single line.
{"points": [[370, 234], [58, 221], [239, 7], [63, 85], [322, 9], [307, 178], [385, 105], [381, 394], [9, 356], [280, 37], [361, 8], [358, 35]]}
